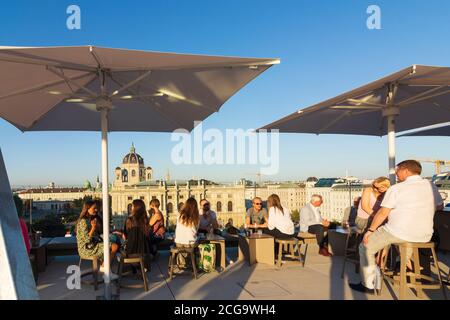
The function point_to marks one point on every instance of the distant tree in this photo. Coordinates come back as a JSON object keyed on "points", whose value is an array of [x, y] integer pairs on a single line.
{"points": [[295, 215], [51, 226], [19, 204]]}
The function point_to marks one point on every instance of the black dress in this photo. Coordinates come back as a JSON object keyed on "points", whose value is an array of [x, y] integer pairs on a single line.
{"points": [[137, 239]]}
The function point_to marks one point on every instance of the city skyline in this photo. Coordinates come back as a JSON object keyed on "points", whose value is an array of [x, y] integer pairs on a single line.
{"points": [[312, 41], [164, 175]]}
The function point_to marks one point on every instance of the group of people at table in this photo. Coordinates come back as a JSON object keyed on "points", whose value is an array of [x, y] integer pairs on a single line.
{"points": [[385, 215]]}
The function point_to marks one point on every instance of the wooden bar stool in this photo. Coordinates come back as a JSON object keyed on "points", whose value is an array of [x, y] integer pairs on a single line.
{"points": [[286, 245], [174, 252], [305, 238], [351, 253], [94, 271], [415, 277], [132, 259]]}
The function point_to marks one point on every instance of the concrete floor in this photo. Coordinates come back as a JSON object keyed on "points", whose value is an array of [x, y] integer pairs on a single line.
{"points": [[318, 280]]}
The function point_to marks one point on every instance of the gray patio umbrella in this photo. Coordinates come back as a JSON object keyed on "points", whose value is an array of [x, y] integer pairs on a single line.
{"points": [[89, 88], [414, 97]]}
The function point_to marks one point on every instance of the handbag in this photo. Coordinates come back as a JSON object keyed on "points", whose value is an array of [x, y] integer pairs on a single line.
{"points": [[207, 257]]}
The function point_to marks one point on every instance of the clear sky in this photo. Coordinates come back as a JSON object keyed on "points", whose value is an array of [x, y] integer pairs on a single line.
{"points": [[324, 46]]}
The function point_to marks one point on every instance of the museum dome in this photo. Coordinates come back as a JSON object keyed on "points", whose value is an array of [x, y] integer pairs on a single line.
{"points": [[132, 157]]}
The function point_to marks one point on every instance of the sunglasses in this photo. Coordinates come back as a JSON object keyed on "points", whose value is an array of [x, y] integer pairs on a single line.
{"points": [[258, 204]]}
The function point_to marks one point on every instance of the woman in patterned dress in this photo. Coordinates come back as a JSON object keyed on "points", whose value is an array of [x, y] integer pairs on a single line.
{"points": [[88, 230]]}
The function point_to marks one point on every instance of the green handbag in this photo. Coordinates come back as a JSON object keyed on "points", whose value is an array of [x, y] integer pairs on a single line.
{"points": [[207, 257]]}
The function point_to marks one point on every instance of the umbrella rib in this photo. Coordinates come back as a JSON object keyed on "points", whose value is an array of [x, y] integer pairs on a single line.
{"points": [[158, 109], [372, 104], [96, 57], [426, 97], [364, 112], [51, 108], [321, 130], [132, 83], [90, 92], [41, 87], [43, 61], [164, 92], [200, 66]]}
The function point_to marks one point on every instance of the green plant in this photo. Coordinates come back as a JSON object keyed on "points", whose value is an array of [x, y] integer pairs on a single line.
{"points": [[51, 226]]}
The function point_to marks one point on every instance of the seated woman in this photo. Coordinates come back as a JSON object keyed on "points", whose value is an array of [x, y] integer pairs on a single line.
{"points": [[157, 229], [280, 224], [88, 230], [137, 230], [186, 229], [370, 202]]}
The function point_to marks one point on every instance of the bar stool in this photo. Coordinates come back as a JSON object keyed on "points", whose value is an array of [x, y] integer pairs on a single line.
{"points": [[132, 259], [305, 238], [286, 245], [415, 276], [174, 252], [95, 270], [351, 253]]}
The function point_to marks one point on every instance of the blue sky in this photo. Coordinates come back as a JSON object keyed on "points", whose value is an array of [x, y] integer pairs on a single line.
{"points": [[324, 47]]}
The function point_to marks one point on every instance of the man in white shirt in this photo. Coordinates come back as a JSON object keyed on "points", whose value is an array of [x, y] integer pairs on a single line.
{"points": [[410, 206], [311, 221]]}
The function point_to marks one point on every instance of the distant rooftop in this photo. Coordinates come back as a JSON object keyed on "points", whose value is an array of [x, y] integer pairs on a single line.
{"points": [[52, 190]]}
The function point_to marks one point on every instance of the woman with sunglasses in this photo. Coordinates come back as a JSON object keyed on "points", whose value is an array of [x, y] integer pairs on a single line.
{"points": [[370, 202]]}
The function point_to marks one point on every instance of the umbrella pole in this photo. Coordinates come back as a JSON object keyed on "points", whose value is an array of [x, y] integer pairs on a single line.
{"points": [[105, 202], [391, 147]]}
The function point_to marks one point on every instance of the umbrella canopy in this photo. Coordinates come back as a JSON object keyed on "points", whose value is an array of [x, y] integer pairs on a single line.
{"points": [[101, 89], [59, 88], [414, 97], [431, 132]]}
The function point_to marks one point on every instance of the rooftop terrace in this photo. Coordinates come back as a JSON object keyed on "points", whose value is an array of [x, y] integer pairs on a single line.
{"points": [[318, 280]]}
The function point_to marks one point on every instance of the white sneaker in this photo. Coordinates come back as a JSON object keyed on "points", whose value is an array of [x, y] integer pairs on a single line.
{"points": [[112, 276]]}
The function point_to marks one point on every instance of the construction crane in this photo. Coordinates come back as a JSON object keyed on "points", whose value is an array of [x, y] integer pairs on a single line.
{"points": [[258, 175], [437, 163]]}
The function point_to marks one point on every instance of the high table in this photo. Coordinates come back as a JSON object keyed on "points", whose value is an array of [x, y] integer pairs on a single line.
{"points": [[257, 248], [336, 240]]}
